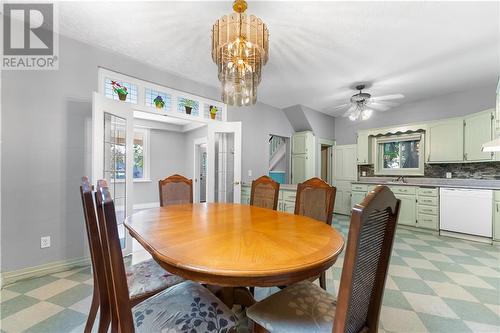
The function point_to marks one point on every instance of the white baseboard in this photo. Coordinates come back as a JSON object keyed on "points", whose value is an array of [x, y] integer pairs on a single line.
{"points": [[147, 205], [7, 278], [472, 238]]}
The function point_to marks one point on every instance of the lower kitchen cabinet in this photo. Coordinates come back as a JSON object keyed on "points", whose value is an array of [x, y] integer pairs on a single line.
{"points": [[428, 208], [408, 209], [342, 198], [286, 199], [427, 221], [357, 197], [245, 194], [286, 202]]}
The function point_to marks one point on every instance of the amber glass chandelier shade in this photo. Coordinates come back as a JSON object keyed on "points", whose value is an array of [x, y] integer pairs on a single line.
{"points": [[240, 47]]}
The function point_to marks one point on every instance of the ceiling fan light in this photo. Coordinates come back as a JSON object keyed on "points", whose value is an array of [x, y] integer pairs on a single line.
{"points": [[366, 114]]}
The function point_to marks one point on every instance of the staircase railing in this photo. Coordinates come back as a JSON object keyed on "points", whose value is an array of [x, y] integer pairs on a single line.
{"points": [[275, 142]]}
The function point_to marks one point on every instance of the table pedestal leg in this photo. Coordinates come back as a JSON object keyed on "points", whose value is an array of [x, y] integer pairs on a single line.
{"points": [[234, 295]]}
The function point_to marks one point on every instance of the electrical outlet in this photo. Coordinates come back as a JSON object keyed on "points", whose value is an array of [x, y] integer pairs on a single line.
{"points": [[44, 242], [448, 175]]}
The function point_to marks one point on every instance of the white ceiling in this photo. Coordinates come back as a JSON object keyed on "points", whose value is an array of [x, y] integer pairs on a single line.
{"points": [[318, 50]]}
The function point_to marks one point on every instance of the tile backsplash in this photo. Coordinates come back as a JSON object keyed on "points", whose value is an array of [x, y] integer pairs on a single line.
{"points": [[484, 170]]}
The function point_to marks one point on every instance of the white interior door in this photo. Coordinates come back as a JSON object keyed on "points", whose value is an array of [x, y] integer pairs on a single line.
{"points": [[112, 156], [224, 162]]}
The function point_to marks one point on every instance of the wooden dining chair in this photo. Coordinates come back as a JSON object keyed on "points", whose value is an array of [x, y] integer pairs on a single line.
{"points": [[145, 279], [315, 198], [175, 190], [185, 307], [305, 307], [265, 193]]}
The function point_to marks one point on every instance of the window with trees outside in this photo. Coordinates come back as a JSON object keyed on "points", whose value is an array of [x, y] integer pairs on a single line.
{"points": [[400, 154], [141, 157], [141, 151]]}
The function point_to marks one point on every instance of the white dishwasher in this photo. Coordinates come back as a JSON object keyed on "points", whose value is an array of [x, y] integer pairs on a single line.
{"points": [[467, 211]]}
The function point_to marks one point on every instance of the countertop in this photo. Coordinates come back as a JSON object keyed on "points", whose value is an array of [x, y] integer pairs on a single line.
{"points": [[282, 186], [434, 182]]}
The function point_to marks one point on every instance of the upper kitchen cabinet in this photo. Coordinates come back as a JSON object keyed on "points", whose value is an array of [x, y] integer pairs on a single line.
{"points": [[478, 129], [302, 143], [364, 148], [445, 141]]}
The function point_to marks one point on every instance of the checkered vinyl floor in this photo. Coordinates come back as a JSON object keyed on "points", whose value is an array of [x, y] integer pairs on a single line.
{"points": [[435, 284]]}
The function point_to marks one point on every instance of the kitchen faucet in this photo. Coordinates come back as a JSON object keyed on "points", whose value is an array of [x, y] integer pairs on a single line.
{"points": [[399, 179]]}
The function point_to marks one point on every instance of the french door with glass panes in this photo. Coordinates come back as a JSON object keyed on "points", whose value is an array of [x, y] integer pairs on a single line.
{"points": [[224, 162], [112, 156]]}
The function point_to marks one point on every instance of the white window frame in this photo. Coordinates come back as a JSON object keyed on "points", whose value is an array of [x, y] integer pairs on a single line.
{"points": [[146, 170], [379, 153]]}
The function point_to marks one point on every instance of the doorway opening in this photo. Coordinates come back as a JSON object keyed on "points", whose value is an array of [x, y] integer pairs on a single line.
{"points": [[279, 158], [325, 160], [200, 170]]}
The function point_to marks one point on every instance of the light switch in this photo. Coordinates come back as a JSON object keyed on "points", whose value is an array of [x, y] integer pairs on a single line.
{"points": [[249, 173]]}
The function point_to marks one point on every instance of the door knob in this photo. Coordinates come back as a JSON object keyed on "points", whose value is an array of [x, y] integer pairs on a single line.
{"points": [[236, 183]]}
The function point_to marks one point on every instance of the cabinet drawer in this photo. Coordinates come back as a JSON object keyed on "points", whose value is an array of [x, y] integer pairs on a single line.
{"points": [[497, 195], [245, 199], [427, 221], [427, 192], [245, 190], [403, 189], [289, 196], [431, 201], [423, 209], [287, 207], [359, 187]]}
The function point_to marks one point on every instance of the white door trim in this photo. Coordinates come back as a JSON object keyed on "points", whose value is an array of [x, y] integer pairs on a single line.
{"points": [[101, 105], [227, 127], [196, 167]]}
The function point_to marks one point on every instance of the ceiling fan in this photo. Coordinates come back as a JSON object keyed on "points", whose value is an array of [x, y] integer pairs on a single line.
{"points": [[362, 105]]}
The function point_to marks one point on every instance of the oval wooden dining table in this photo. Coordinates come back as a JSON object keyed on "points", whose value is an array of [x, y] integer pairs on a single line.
{"points": [[233, 245]]}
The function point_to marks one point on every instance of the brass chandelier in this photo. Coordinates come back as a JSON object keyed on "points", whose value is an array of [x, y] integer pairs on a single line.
{"points": [[240, 47]]}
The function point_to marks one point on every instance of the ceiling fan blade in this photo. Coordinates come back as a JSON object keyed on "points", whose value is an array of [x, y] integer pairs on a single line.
{"points": [[341, 106], [388, 97], [379, 107], [349, 111]]}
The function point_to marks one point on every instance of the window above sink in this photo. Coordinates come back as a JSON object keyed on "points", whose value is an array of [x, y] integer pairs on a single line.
{"points": [[401, 154]]}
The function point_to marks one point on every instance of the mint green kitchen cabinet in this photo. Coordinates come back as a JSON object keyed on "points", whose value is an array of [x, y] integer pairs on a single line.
{"points": [[428, 208], [445, 141], [299, 168], [357, 197], [245, 194], [287, 201], [407, 211], [303, 157], [478, 130], [302, 142], [358, 194], [364, 148], [342, 197], [496, 217]]}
